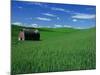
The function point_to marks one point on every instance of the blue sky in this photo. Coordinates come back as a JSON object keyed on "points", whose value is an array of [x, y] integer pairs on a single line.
{"points": [[39, 14]]}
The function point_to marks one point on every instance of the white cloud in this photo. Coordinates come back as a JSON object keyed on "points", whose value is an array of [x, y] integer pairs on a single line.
{"points": [[58, 26], [84, 16], [34, 25], [43, 18], [58, 18], [68, 26], [20, 7], [74, 20], [17, 23], [20, 24], [51, 15], [39, 4], [48, 14], [79, 28], [41, 26], [60, 9]]}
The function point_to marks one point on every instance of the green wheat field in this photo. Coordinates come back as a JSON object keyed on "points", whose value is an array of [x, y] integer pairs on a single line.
{"points": [[60, 49]]}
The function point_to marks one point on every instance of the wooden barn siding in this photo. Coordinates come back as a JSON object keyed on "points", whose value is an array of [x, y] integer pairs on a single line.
{"points": [[29, 35]]}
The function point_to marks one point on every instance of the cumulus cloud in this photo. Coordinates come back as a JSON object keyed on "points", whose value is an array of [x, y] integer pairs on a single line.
{"points": [[43, 19], [34, 25], [84, 16]]}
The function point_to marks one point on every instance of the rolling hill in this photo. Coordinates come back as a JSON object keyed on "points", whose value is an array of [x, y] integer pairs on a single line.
{"points": [[60, 49]]}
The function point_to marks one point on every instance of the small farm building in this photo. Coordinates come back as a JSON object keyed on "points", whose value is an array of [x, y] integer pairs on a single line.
{"points": [[29, 34]]}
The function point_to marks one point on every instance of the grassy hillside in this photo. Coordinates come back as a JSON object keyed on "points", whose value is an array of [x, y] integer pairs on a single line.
{"points": [[60, 49]]}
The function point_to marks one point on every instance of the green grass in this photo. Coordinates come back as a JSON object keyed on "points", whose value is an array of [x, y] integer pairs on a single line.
{"points": [[60, 49]]}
